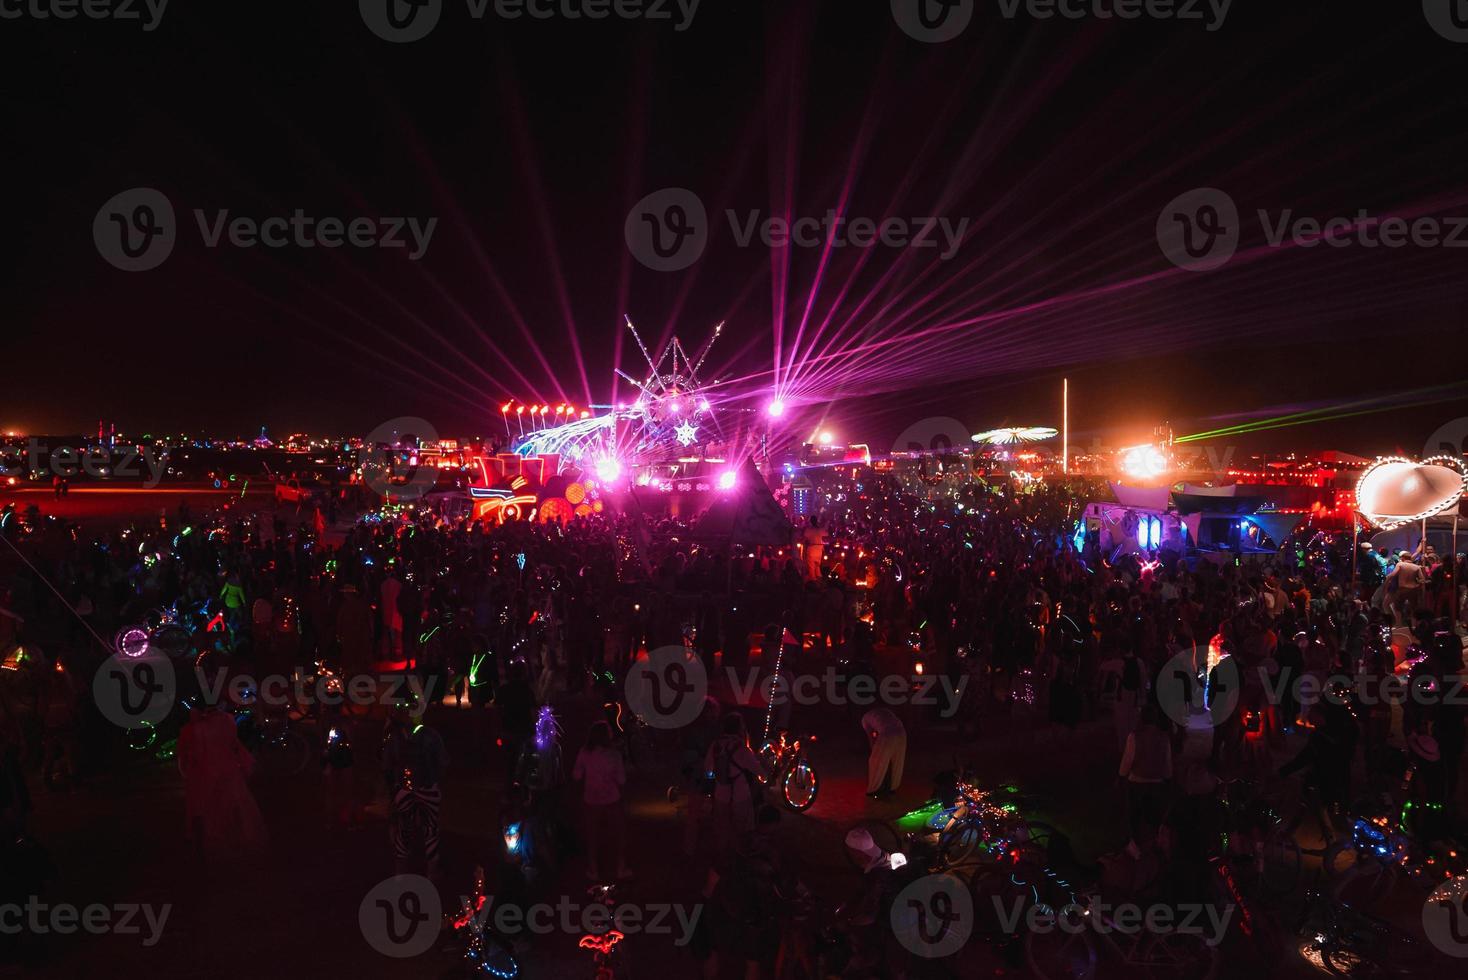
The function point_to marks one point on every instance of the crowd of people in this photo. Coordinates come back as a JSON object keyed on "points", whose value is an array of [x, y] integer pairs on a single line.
{"points": [[978, 582]]}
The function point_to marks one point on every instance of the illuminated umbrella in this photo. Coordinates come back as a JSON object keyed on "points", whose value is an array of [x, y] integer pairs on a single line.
{"points": [[1395, 491], [1015, 436]]}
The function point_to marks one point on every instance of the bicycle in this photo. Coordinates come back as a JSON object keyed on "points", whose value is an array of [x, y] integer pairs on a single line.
{"points": [[486, 954], [1348, 942], [977, 823], [276, 742], [1257, 838], [606, 963], [788, 768], [812, 943], [1073, 951]]}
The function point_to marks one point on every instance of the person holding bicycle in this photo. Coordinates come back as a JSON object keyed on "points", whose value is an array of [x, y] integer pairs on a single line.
{"points": [[744, 891], [736, 784]]}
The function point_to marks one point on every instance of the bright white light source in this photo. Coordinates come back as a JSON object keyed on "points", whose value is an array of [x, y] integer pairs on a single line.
{"points": [[824, 438], [608, 471], [727, 480], [1145, 462], [776, 409]]}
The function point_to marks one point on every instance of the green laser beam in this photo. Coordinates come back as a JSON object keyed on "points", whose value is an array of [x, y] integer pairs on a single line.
{"points": [[1321, 415]]}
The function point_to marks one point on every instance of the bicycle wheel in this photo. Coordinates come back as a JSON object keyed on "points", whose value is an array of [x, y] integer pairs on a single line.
{"points": [[493, 959], [800, 785], [960, 843], [1177, 956], [141, 738], [1365, 946], [1059, 954], [882, 835]]}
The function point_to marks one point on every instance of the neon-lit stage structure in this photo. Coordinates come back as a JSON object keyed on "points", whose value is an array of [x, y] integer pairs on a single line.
{"points": [[675, 417], [680, 435]]}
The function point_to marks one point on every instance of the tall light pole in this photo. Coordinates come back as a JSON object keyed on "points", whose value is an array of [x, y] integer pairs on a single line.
{"points": [[1065, 427]]}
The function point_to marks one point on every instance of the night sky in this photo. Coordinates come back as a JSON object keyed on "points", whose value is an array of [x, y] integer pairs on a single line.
{"points": [[529, 141]]}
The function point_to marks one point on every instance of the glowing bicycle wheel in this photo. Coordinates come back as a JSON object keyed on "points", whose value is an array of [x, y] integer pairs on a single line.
{"points": [[800, 785]]}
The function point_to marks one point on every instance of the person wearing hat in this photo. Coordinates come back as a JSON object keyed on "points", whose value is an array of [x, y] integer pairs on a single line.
{"points": [[1370, 569], [869, 855], [1404, 585]]}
